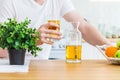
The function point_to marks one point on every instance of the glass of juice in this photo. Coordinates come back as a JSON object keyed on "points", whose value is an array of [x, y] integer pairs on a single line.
{"points": [[55, 20], [73, 43]]}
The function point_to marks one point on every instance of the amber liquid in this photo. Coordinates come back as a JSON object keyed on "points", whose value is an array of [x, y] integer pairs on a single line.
{"points": [[53, 27], [73, 52]]}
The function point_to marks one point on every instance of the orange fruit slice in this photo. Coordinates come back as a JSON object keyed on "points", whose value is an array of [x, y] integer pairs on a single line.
{"points": [[110, 51]]}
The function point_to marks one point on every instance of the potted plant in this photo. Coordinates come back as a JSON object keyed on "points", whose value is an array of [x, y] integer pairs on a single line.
{"points": [[18, 38]]}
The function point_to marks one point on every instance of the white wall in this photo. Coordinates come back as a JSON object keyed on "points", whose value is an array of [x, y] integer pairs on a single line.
{"points": [[99, 11], [100, 14], [1, 1]]}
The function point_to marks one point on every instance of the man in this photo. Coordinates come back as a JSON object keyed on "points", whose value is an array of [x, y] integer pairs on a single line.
{"points": [[37, 10]]}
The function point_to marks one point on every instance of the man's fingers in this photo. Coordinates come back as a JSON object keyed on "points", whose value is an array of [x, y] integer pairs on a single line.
{"points": [[46, 40], [52, 32], [53, 24], [50, 36]]}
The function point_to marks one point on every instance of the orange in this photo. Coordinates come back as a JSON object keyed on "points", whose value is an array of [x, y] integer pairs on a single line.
{"points": [[110, 51]]}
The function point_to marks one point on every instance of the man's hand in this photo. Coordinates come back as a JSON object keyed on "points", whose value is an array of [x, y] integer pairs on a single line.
{"points": [[45, 32]]}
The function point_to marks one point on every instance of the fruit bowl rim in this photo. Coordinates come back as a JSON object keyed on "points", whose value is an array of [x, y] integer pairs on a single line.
{"points": [[111, 59]]}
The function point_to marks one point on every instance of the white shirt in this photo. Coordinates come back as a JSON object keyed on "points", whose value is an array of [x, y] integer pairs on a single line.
{"points": [[20, 9]]}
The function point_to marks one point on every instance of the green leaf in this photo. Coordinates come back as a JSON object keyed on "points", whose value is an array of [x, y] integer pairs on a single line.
{"points": [[17, 43], [9, 40]]}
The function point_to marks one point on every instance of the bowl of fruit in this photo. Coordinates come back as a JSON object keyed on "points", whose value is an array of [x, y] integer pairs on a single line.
{"points": [[111, 52]]}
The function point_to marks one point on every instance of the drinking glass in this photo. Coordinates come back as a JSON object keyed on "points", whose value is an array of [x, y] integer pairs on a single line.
{"points": [[73, 43], [55, 20]]}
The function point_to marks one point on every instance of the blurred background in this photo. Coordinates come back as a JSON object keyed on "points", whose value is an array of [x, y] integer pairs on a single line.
{"points": [[103, 14]]}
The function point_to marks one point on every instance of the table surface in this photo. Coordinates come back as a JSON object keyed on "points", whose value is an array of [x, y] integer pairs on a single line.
{"points": [[60, 70]]}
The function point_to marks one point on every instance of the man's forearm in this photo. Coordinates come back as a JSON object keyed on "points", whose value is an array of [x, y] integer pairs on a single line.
{"points": [[93, 36], [89, 33]]}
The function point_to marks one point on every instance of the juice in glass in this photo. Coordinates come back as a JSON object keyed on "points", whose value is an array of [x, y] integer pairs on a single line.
{"points": [[73, 53], [53, 27]]}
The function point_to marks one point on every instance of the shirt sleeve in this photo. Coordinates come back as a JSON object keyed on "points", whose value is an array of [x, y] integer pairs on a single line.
{"points": [[6, 10], [67, 6]]}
